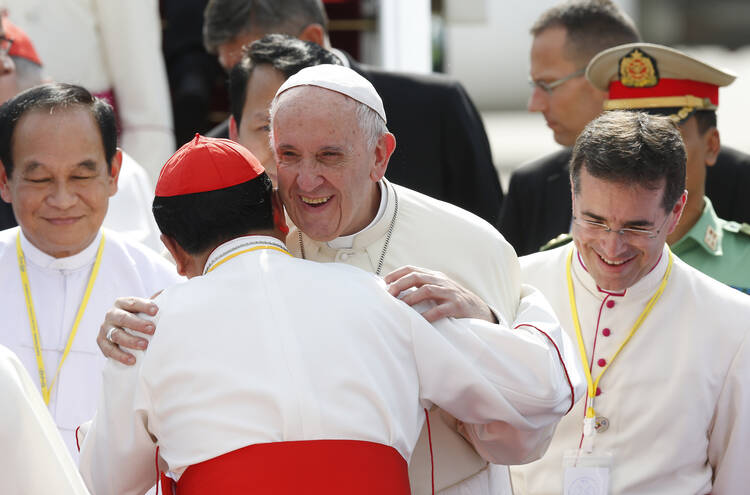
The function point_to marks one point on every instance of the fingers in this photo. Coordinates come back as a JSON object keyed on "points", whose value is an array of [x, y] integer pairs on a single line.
{"points": [[413, 278], [400, 272], [123, 319], [137, 305], [110, 349]]}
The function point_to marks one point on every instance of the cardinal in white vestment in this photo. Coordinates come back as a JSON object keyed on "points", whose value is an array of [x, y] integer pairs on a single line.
{"points": [[255, 380]]}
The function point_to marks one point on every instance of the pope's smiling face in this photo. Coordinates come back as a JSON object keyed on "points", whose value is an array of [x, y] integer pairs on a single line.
{"points": [[616, 261], [327, 173], [60, 184]]}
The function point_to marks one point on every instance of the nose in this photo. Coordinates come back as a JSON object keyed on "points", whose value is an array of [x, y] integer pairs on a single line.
{"points": [[308, 176], [6, 65], [612, 244], [62, 196], [537, 100]]}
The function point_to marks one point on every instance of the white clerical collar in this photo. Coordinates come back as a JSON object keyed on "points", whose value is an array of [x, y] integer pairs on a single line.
{"points": [[645, 286], [37, 257], [347, 241], [239, 244]]}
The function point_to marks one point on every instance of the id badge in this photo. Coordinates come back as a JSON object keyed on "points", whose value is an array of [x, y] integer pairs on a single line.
{"points": [[586, 473]]}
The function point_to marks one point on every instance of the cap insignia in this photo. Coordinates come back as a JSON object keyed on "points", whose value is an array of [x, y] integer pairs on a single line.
{"points": [[638, 70]]}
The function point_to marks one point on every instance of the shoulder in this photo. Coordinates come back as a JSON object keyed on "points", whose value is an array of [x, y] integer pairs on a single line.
{"points": [[143, 259], [432, 81], [732, 157], [431, 213], [543, 259], [724, 302], [8, 238]]}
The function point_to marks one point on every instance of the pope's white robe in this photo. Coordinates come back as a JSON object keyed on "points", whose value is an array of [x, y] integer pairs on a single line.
{"points": [[33, 458], [57, 287], [677, 397], [269, 348], [432, 234]]}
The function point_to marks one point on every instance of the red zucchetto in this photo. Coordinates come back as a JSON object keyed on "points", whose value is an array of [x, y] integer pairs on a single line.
{"points": [[206, 164]]}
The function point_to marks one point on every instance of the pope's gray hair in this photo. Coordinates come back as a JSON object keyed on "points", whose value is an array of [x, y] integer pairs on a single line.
{"points": [[372, 125]]}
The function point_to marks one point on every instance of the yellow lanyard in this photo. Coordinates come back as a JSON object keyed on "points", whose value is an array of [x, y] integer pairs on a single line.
{"points": [[234, 255], [592, 385], [35, 326]]}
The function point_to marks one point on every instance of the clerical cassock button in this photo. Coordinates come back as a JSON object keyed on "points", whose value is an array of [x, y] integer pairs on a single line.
{"points": [[601, 424]]}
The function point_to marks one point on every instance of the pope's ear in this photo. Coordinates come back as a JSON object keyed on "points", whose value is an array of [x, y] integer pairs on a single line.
{"points": [[383, 150]]}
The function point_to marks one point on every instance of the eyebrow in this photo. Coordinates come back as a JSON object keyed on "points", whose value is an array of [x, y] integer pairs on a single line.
{"points": [[88, 164], [630, 223]]}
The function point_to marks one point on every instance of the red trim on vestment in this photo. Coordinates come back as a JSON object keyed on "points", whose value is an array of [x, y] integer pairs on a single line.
{"points": [[78, 445], [432, 459], [666, 88], [559, 356], [330, 467]]}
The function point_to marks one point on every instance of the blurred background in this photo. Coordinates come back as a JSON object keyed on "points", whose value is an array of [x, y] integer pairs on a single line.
{"points": [[485, 44]]}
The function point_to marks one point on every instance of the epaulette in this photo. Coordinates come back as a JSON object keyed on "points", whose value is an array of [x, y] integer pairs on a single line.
{"points": [[745, 228], [560, 240]]}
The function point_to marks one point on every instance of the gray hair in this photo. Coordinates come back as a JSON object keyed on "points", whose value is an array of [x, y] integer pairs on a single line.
{"points": [[372, 125], [224, 20]]}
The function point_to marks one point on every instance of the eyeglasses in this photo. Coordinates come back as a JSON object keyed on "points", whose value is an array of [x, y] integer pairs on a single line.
{"points": [[5, 44], [547, 87], [626, 232]]}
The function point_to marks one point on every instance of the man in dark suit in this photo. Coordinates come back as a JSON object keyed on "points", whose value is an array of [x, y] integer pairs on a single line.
{"points": [[442, 151], [566, 37]]}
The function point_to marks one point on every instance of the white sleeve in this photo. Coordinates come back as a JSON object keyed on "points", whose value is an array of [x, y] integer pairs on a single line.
{"points": [[34, 458], [118, 454], [130, 32], [511, 384], [729, 438]]}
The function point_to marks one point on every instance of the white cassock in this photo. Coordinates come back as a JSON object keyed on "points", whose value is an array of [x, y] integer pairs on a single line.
{"points": [[677, 397], [129, 211], [33, 458], [117, 47], [431, 234], [57, 288], [270, 348]]}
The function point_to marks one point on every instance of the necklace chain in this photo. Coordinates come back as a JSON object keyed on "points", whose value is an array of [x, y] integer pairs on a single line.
{"points": [[385, 245]]}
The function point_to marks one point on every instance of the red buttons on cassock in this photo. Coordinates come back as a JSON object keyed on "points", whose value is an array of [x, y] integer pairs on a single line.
{"points": [[610, 304], [606, 332], [602, 363], [598, 391]]}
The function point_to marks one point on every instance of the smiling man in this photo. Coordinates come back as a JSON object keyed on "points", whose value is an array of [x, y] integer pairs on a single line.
{"points": [[59, 166], [666, 348]]}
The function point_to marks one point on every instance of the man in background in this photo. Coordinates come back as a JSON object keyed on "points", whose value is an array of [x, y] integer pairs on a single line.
{"points": [[443, 148]]}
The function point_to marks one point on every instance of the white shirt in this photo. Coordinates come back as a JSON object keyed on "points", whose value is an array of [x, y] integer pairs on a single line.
{"points": [[677, 397], [33, 458], [269, 348], [435, 235], [103, 45], [57, 287], [129, 211]]}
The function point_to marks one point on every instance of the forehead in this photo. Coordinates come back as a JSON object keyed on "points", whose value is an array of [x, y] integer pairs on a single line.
{"points": [[312, 101], [262, 85], [58, 134], [548, 50], [614, 200]]}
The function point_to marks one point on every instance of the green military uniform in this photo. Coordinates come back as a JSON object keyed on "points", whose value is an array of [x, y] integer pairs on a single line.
{"points": [[718, 248]]}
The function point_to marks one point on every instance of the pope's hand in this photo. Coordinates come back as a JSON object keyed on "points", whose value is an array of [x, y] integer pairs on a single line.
{"points": [[450, 298], [123, 315]]}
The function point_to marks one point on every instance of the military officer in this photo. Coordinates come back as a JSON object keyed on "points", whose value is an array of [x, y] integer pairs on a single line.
{"points": [[661, 80]]}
